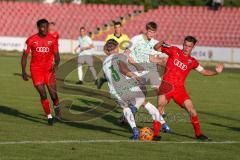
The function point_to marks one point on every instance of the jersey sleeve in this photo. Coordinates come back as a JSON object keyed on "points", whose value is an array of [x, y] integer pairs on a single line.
{"points": [[153, 51], [195, 63], [123, 58], [168, 50], [133, 43], [27, 47]]}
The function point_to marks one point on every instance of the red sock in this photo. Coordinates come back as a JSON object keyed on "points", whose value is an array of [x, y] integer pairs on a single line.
{"points": [[46, 106], [196, 125], [156, 128], [56, 102]]}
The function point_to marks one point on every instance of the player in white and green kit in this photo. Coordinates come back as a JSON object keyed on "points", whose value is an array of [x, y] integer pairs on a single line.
{"points": [[127, 91], [142, 52]]}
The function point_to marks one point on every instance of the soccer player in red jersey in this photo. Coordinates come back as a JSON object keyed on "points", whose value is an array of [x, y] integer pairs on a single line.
{"points": [[44, 61], [178, 66], [52, 30]]}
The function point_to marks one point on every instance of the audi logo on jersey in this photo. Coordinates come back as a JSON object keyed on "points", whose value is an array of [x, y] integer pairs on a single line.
{"points": [[180, 65], [42, 49]]}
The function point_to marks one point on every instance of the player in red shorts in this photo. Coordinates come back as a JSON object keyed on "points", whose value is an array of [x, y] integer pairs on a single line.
{"points": [[44, 61], [178, 66]]}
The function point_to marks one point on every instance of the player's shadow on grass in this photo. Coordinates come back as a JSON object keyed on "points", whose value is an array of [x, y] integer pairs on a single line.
{"points": [[237, 129], [219, 116], [94, 127], [14, 112]]}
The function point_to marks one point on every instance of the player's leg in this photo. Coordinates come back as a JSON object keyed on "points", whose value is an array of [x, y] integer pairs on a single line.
{"points": [[89, 61], [162, 102], [188, 105], [52, 89], [44, 101], [157, 119], [131, 121], [127, 113], [101, 81], [80, 69]]}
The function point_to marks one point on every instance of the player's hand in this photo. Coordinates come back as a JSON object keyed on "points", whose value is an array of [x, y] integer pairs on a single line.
{"points": [[24, 76], [139, 80], [219, 68]]}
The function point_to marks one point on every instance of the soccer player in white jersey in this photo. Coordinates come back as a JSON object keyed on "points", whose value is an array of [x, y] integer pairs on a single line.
{"points": [[142, 52], [85, 49], [127, 91]]}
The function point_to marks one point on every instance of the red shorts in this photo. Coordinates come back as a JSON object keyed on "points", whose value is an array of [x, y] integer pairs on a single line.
{"points": [[178, 94], [43, 76]]}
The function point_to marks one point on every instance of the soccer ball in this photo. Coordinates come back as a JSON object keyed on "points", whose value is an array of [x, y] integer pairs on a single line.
{"points": [[146, 134]]}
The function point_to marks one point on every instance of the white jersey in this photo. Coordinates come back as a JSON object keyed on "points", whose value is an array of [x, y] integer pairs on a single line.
{"points": [[142, 48], [85, 41], [117, 82], [125, 90]]}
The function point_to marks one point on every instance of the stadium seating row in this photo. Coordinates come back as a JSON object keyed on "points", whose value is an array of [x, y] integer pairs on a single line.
{"points": [[19, 18], [212, 28]]}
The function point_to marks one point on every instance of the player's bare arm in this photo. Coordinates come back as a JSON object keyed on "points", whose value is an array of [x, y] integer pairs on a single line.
{"points": [[158, 46], [56, 61], [205, 72], [24, 64], [158, 60], [127, 72]]}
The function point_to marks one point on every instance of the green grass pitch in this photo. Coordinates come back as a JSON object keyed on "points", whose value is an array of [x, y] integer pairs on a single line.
{"points": [[25, 135]]}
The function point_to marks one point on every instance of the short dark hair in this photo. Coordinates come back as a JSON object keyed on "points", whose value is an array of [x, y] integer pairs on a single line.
{"points": [[110, 45], [190, 39], [42, 21], [151, 26], [117, 23], [82, 28]]}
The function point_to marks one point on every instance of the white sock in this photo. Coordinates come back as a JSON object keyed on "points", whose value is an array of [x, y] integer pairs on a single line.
{"points": [[80, 73], [49, 116], [129, 116], [154, 112], [139, 101]]}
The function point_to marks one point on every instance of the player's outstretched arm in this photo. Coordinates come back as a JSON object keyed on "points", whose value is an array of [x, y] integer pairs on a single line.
{"points": [[158, 60], [123, 68], [158, 46], [24, 64], [218, 69], [136, 65]]}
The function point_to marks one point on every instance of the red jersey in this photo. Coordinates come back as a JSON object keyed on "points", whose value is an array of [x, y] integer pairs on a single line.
{"points": [[178, 66], [55, 35], [42, 49]]}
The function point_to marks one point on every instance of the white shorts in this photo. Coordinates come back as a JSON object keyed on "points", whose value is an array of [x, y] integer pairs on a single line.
{"points": [[153, 77], [88, 59], [134, 97]]}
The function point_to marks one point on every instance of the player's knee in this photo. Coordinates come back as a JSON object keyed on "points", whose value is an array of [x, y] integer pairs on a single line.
{"points": [[43, 97], [161, 103]]}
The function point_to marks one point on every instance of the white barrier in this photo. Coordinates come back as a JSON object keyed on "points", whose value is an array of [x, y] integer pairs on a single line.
{"points": [[67, 46]]}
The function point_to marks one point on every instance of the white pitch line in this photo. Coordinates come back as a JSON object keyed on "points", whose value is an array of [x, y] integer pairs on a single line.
{"points": [[116, 141]]}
